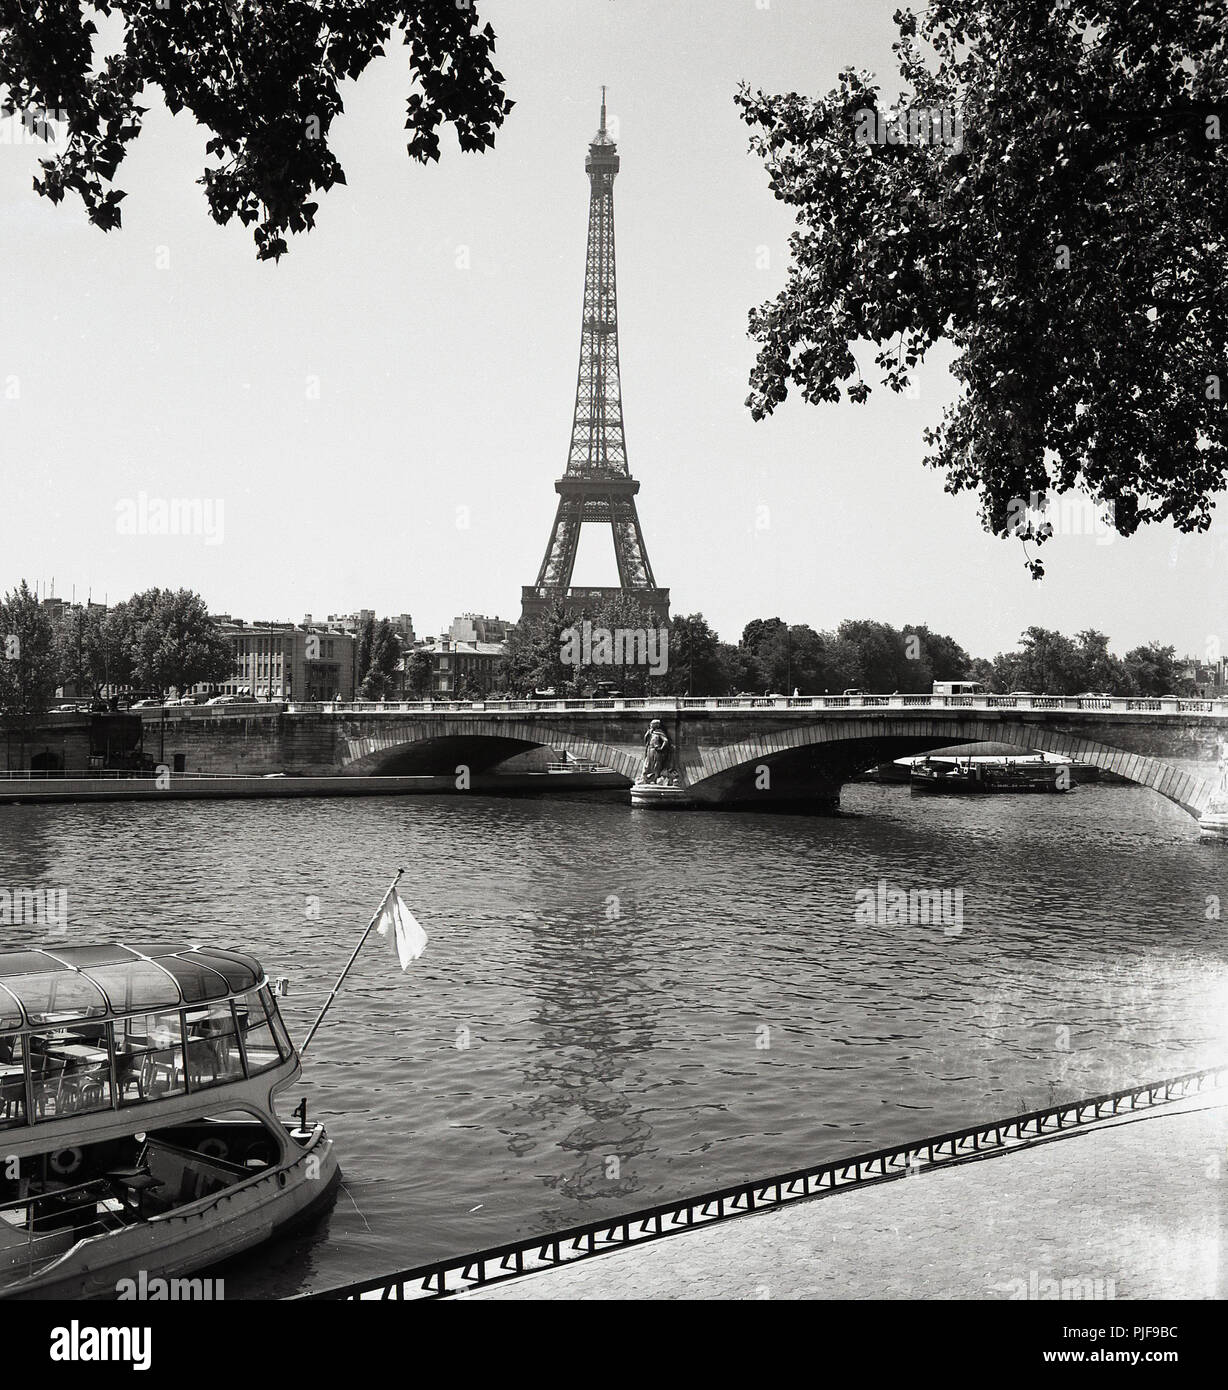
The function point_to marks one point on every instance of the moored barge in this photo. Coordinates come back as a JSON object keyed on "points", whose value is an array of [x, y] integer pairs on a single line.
{"points": [[988, 775]]}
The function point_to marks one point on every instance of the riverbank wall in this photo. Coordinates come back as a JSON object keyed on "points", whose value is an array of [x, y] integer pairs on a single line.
{"points": [[26, 791]]}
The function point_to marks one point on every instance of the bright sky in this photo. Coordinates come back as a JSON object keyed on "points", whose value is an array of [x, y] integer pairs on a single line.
{"points": [[382, 415]]}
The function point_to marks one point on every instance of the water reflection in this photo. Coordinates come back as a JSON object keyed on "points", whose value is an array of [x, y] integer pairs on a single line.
{"points": [[596, 1018]]}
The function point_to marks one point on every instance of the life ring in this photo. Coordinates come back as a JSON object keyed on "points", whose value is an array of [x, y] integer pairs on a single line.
{"points": [[260, 1152], [213, 1148], [65, 1162]]}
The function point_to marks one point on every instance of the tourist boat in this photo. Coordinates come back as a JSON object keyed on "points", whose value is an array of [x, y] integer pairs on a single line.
{"points": [[136, 1104], [989, 775]]}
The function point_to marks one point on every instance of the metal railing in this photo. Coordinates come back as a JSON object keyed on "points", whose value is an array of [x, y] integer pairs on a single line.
{"points": [[1105, 704], [119, 774], [1171, 705], [443, 1278], [85, 1211]]}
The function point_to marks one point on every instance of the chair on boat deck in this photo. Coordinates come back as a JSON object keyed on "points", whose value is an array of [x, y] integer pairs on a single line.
{"points": [[158, 1072], [203, 1060], [84, 1086], [128, 1074], [12, 1095], [47, 1075]]}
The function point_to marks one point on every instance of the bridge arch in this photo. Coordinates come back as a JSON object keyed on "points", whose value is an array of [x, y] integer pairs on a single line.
{"points": [[828, 752], [433, 747]]}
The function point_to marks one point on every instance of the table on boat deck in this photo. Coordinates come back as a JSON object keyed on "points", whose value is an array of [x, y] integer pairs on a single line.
{"points": [[76, 1052], [135, 1183], [11, 1094]]}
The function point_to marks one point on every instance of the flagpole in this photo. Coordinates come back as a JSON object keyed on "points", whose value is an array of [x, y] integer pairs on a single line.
{"points": [[341, 978]]}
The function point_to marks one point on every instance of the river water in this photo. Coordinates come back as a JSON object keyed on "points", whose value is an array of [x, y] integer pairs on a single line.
{"points": [[620, 1007]]}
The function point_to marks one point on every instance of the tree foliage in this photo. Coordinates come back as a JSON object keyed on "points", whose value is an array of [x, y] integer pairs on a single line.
{"points": [[1068, 240], [418, 671], [532, 657], [699, 662], [170, 641], [28, 669], [90, 650], [366, 647], [861, 653], [262, 76], [1048, 662], [550, 653], [1152, 669], [379, 677]]}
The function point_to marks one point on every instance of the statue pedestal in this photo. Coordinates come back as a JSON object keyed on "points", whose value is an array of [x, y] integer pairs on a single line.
{"points": [[1213, 823], [658, 794]]}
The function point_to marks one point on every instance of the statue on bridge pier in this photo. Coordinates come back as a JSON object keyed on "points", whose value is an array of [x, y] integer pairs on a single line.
{"points": [[1213, 822], [658, 766]]}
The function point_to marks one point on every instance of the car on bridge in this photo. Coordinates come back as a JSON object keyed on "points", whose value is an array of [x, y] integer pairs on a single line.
{"points": [[955, 688]]}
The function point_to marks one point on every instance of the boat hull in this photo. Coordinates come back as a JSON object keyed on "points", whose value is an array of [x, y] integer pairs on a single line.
{"points": [[989, 781], [193, 1238]]}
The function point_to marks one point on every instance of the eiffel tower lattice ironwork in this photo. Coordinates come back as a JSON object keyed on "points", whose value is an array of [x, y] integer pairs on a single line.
{"points": [[597, 486]]}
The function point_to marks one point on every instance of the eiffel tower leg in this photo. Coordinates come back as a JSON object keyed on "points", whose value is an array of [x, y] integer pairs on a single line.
{"points": [[634, 571], [560, 557]]}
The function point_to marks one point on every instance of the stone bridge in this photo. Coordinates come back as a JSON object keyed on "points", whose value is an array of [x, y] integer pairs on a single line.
{"points": [[750, 752], [755, 752], [729, 751]]}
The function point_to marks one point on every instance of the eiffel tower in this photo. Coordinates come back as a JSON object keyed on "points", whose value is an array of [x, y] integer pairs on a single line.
{"points": [[597, 486]]}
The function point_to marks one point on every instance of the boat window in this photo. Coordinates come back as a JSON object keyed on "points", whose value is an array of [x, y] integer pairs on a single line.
{"points": [[197, 981], [212, 1043], [149, 1057], [70, 1070], [12, 1080], [58, 996], [10, 1010], [279, 1028], [259, 1042], [141, 985]]}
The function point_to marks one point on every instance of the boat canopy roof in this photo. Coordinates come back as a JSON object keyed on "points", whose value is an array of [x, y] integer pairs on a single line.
{"points": [[54, 984]]}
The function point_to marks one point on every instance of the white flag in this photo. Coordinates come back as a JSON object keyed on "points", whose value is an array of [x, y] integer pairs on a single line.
{"points": [[410, 938]]}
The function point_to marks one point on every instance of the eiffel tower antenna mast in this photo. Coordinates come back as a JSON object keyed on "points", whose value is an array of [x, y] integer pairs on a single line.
{"points": [[597, 486]]}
